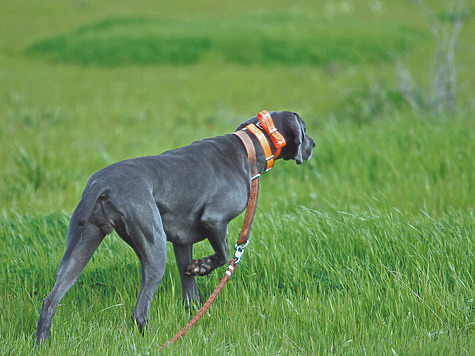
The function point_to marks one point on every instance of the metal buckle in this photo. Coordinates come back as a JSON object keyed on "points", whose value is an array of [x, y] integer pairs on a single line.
{"points": [[239, 250]]}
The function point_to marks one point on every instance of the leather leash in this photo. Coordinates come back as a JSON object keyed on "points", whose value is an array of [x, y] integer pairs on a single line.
{"points": [[267, 125], [254, 194]]}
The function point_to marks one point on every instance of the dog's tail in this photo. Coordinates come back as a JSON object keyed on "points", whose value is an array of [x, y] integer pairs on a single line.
{"points": [[92, 193]]}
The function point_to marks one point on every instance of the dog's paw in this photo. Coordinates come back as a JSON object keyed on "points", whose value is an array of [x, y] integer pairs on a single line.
{"points": [[200, 267]]}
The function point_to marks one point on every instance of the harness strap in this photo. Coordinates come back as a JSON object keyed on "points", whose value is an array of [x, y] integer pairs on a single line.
{"points": [[265, 119], [264, 144], [254, 194], [250, 151], [266, 124]]}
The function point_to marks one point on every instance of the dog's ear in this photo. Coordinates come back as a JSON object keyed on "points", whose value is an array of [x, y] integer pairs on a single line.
{"points": [[296, 137]]}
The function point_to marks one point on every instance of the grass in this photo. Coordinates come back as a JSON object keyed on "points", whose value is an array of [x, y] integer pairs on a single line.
{"points": [[367, 280], [328, 270], [366, 249], [262, 39]]}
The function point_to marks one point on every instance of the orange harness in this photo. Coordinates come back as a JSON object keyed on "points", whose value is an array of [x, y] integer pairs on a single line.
{"points": [[266, 124]]}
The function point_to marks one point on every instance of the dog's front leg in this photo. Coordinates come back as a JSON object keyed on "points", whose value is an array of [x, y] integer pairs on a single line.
{"points": [[217, 232], [183, 255]]}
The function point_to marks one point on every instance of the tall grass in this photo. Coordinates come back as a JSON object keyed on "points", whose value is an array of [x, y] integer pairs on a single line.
{"points": [[334, 265], [312, 282]]}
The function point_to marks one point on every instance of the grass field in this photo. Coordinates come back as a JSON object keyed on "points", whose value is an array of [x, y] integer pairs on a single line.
{"points": [[366, 249]]}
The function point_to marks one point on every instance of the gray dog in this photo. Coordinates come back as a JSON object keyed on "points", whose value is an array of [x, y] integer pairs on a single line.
{"points": [[183, 196]]}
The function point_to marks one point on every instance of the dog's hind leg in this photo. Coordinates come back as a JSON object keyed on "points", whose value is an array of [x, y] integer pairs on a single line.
{"points": [[143, 231], [82, 242]]}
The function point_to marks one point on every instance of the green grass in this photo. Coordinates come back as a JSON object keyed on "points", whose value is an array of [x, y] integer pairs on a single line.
{"points": [[265, 39], [311, 281], [358, 258], [366, 249]]}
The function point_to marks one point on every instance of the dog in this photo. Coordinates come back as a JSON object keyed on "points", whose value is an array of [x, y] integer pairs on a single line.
{"points": [[183, 196]]}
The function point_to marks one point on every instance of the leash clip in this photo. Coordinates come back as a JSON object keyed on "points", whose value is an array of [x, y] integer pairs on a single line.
{"points": [[239, 250]]}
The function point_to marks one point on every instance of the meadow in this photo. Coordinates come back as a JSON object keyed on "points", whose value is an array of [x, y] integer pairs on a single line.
{"points": [[366, 249]]}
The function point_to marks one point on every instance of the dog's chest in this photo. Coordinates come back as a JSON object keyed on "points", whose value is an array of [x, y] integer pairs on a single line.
{"points": [[181, 229]]}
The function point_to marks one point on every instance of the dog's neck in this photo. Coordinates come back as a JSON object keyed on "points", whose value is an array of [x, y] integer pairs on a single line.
{"points": [[267, 141]]}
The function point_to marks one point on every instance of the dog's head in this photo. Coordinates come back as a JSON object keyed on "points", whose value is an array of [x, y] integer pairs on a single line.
{"points": [[299, 146]]}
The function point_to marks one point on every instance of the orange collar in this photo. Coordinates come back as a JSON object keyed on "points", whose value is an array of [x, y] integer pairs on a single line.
{"points": [[266, 124]]}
